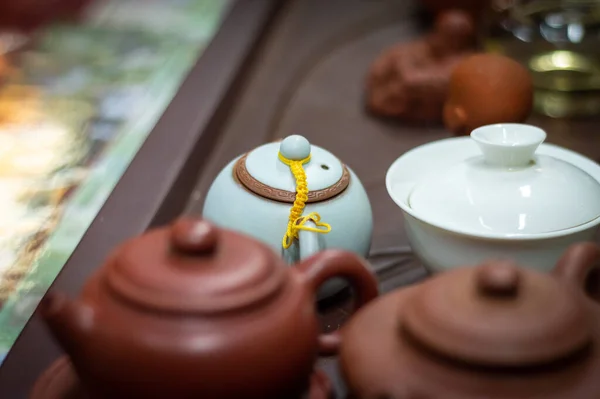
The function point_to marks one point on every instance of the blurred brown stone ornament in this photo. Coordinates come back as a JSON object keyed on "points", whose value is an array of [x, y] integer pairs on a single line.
{"points": [[410, 80], [487, 89]]}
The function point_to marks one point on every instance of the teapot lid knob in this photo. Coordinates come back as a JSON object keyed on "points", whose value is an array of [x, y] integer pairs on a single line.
{"points": [[295, 148], [194, 236], [498, 280]]}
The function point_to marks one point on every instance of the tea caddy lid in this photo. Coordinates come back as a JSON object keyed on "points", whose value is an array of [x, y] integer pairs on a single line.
{"points": [[193, 266], [498, 314], [265, 170], [508, 190]]}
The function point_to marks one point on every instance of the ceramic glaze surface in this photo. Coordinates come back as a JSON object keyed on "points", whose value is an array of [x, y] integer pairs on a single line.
{"points": [[230, 205], [508, 191], [322, 171], [441, 248]]}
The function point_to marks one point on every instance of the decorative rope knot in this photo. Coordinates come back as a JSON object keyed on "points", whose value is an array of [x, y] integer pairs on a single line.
{"points": [[296, 220]]}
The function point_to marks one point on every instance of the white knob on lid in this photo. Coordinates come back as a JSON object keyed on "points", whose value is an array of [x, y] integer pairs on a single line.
{"points": [[508, 144], [295, 148]]}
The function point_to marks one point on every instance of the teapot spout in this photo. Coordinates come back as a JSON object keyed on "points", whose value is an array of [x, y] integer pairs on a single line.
{"points": [[70, 322]]}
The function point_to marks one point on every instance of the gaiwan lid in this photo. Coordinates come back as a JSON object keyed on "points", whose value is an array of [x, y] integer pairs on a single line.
{"points": [[264, 171], [508, 190], [194, 267], [498, 314]]}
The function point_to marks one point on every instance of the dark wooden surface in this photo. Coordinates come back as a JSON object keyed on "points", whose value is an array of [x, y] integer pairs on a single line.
{"points": [[305, 77]]}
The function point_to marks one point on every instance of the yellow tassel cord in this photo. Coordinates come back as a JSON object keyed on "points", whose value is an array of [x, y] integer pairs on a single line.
{"points": [[297, 221]]}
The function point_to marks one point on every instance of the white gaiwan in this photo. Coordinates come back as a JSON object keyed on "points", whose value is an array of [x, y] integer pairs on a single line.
{"points": [[255, 193], [499, 194]]}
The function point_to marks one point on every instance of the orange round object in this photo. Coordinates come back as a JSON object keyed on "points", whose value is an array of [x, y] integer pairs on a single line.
{"points": [[486, 89]]}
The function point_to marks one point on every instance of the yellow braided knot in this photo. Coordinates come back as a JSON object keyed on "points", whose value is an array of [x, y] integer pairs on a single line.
{"points": [[296, 220]]}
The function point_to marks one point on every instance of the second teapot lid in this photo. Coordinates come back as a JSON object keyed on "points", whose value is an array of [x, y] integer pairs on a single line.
{"points": [[266, 170], [497, 314]]}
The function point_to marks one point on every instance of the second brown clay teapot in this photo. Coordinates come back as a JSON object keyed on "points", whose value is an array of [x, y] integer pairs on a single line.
{"points": [[194, 311], [496, 331]]}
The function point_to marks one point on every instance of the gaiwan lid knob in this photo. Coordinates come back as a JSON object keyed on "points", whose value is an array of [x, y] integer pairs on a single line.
{"points": [[194, 266], [497, 314], [509, 146]]}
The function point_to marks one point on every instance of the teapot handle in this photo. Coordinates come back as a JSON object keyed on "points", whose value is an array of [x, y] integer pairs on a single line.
{"points": [[329, 264], [577, 262]]}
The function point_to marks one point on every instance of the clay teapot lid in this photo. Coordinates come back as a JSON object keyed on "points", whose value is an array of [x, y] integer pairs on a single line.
{"points": [[193, 266], [266, 170], [497, 314]]}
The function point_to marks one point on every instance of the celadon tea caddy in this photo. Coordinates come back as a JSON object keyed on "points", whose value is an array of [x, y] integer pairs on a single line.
{"points": [[501, 193], [296, 197]]}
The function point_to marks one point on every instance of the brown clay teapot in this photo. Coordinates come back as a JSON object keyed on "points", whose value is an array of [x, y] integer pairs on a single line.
{"points": [[496, 331], [194, 311]]}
